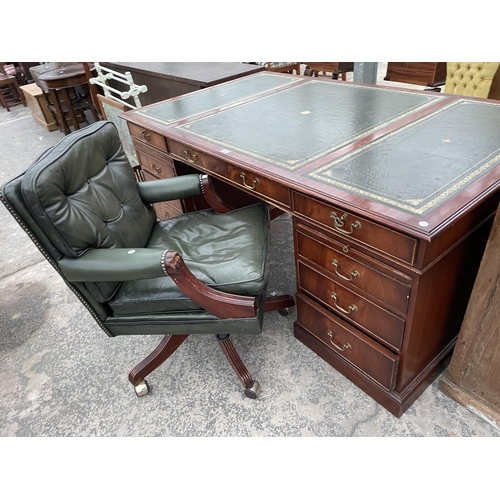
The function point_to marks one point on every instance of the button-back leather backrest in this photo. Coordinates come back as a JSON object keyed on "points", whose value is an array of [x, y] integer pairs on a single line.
{"points": [[83, 194], [470, 78], [11, 197]]}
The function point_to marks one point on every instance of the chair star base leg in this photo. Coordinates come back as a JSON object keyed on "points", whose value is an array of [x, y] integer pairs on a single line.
{"points": [[251, 388], [165, 349], [282, 303]]}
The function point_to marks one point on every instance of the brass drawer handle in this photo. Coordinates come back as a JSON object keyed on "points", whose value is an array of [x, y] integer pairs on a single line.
{"points": [[342, 347], [352, 307], [156, 169], [192, 157], [340, 221], [146, 135], [255, 182], [354, 274]]}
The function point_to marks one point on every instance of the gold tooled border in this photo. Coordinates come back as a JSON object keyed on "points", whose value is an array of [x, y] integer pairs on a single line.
{"points": [[293, 165], [262, 74], [319, 175]]}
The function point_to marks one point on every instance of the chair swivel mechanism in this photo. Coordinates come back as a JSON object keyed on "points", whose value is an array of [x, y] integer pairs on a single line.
{"points": [[203, 272]]}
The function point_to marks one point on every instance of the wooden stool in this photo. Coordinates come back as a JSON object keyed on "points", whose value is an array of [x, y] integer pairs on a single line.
{"points": [[64, 98], [10, 93]]}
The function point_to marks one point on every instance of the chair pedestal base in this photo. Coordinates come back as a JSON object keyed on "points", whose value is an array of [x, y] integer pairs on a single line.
{"points": [[170, 343], [281, 303]]}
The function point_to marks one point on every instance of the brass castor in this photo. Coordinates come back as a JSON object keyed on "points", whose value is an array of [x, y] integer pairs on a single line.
{"points": [[284, 312], [253, 392], [142, 388]]}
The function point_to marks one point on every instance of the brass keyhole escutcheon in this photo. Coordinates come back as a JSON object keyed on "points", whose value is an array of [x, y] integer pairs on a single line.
{"points": [[146, 135]]}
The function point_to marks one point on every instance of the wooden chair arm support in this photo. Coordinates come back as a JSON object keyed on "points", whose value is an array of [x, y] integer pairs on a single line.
{"points": [[221, 304], [139, 174], [221, 206], [212, 197]]}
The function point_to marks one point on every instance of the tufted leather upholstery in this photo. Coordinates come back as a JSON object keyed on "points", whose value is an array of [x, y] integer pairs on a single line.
{"points": [[81, 195], [91, 189], [470, 78], [198, 273]]}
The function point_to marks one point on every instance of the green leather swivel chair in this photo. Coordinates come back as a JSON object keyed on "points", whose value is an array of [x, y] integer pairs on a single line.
{"points": [[199, 273]]}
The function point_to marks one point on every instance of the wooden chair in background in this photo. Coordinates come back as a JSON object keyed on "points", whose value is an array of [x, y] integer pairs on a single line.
{"points": [[335, 68], [10, 93], [282, 67]]}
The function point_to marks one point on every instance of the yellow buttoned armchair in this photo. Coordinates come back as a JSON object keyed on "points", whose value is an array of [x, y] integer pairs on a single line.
{"points": [[472, 79]]}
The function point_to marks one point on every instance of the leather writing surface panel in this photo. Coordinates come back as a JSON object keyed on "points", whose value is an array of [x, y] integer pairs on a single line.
{"points": [[214, 97], [421, 165], [300, 124]]}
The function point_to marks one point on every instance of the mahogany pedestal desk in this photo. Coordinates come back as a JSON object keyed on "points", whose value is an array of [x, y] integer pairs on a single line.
{"points": [[392, 193]]}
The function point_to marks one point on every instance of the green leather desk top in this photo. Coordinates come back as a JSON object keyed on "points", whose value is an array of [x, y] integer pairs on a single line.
{"points": [[420, 165], [213, 98], [414, 157]]}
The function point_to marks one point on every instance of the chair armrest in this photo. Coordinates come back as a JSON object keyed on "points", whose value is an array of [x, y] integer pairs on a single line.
{"points": [[113, 264], [173, 188], [221, 304], [125, 264]]}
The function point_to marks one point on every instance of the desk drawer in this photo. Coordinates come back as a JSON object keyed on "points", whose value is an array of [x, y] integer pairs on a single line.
{"points": [[147, 136], [164, 209], [257, 185], [167, 210], [163, 169], [378, 322], [336, 260], [351, 226], [376, 362]]}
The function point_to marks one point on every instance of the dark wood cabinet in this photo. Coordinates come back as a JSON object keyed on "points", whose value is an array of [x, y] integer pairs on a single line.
{"points": [[170, 79], [429, 74]]}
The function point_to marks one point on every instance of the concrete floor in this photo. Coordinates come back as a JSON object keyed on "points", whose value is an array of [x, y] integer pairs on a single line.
{"points": [[61, 376]]}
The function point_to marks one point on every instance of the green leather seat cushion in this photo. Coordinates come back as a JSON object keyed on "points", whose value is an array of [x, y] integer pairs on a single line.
{"points": [[227, 251]]}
